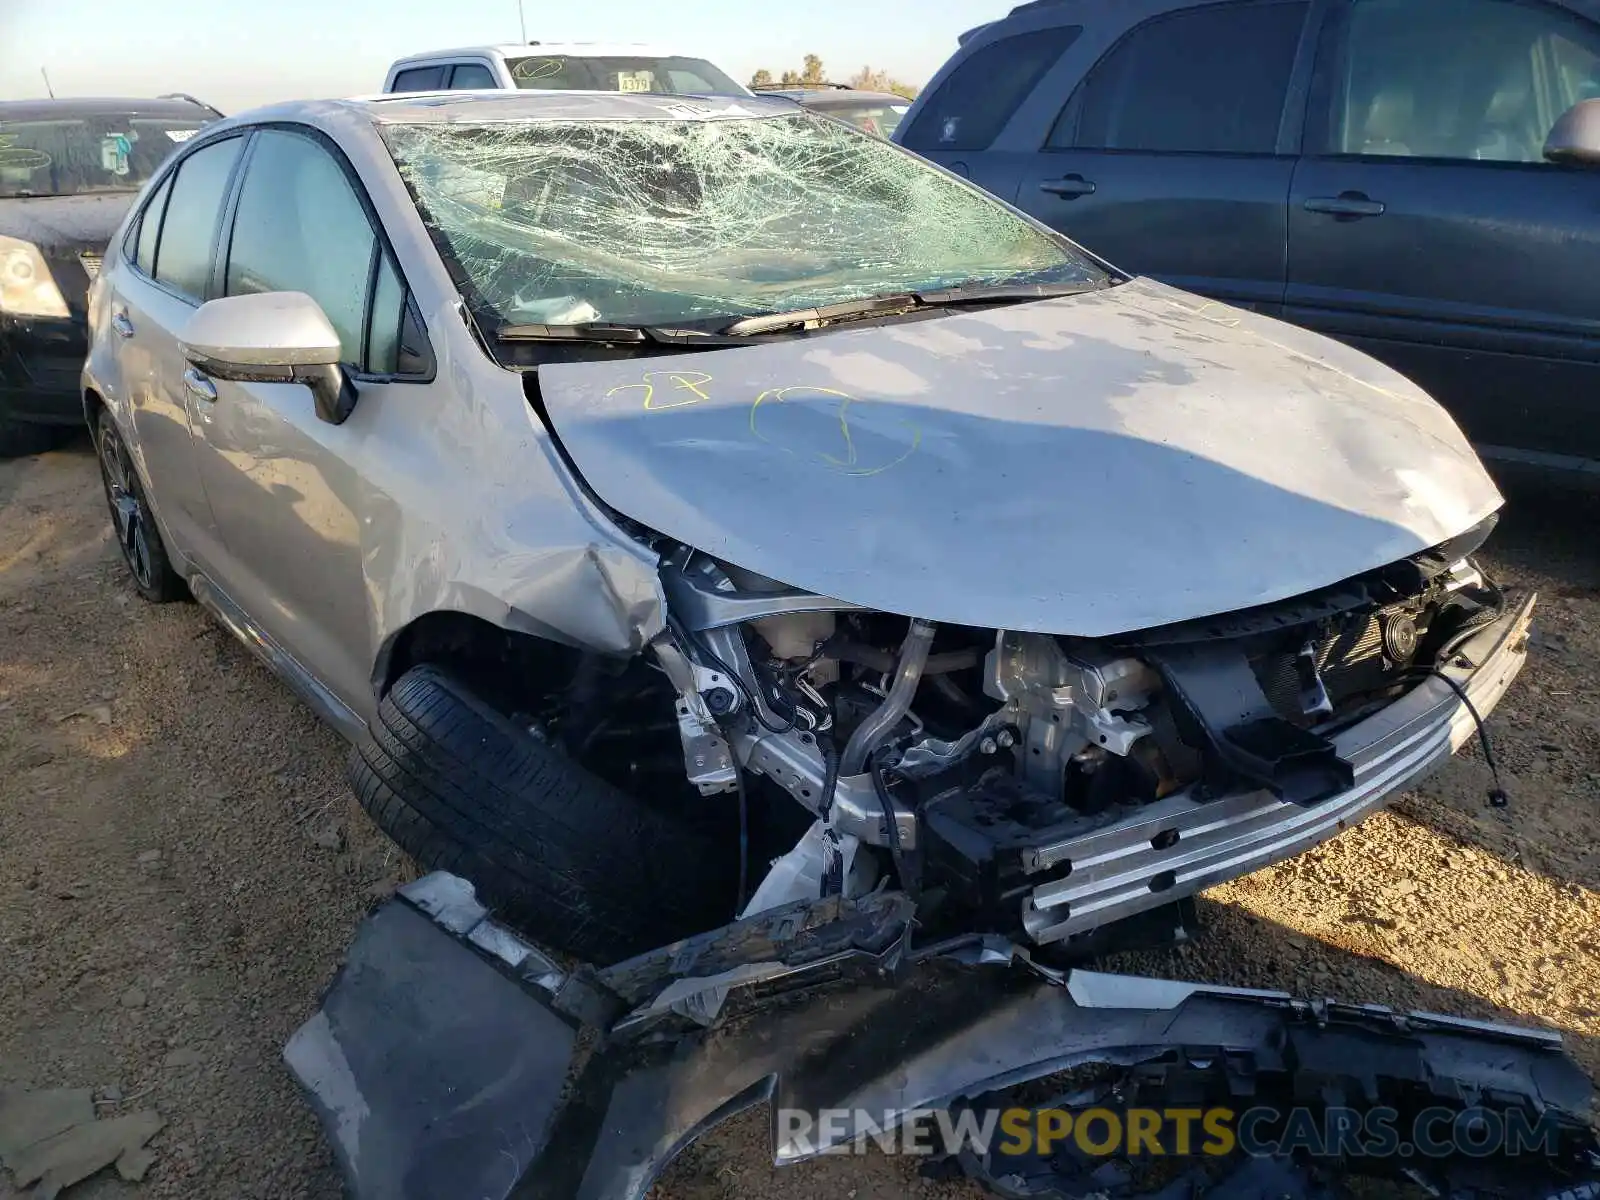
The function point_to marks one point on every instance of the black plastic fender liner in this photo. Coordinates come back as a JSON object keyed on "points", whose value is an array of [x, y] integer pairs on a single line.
{"points": [[445, 1060]]}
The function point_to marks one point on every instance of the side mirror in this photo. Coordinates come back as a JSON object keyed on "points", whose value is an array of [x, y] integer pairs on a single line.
{"points": [[1575, 140], [272, 337]]}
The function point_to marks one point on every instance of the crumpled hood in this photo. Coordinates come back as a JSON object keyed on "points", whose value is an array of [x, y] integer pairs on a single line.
{"points": [[65, 223], [1089, 465]]}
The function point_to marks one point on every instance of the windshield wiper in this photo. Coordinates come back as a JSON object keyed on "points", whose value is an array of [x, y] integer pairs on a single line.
{"points": [[589, 331], [802, 317], [900, 302], [999, 293], [733, 331], [606, 331]]}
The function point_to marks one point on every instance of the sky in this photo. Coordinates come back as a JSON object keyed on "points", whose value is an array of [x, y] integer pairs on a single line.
{"points": [[239, 53]]}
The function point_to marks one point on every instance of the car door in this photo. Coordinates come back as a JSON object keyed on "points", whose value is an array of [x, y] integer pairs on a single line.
{"points": [[1426, 227], [286, 498], [165, 279], [1173, 158]]}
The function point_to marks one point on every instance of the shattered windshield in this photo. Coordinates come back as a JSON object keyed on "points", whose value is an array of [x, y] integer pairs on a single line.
{"points": [[103, 152], [570, 73], [648, 222]]}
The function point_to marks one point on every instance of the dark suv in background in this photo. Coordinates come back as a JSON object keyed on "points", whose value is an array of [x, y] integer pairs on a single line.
{"points": [[1376, 170], [69, 171]]}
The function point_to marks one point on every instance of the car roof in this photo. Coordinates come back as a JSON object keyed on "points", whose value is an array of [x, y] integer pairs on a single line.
{"points": [[1094, 9], [838, 98], [535, 49], [478, 107], [43, 110]]}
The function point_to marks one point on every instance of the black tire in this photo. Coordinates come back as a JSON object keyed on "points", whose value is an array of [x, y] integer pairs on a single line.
{"points": [[132, 523], [18, 439], [572, 861]]}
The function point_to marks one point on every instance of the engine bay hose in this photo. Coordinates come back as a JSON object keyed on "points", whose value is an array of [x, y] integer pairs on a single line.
{"points": [[883, 660], [872, 732], [880, 785]]}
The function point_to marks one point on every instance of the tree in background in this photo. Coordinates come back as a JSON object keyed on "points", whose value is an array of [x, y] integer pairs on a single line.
{"points": [[871, 79], [811, 77], [868, 79]]}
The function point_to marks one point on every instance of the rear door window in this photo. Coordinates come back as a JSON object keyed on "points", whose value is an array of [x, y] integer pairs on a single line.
{"points": [[150, 229], [974, 103], [1206, 80], [419, 79], [188, 231], [467, 76]]}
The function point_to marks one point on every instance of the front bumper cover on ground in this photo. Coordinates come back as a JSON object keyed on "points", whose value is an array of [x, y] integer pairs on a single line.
{"points": [[451, 1059]]}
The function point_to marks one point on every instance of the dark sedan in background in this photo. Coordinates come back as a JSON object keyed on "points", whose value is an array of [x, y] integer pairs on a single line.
{"points": [[878, 113], [1411, 176], [69, 169]]}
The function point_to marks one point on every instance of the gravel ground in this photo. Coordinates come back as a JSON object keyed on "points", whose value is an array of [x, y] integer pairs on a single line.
{"points": [[180, 866]]}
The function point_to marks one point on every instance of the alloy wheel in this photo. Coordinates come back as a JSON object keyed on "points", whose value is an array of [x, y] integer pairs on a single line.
{"points": [[128, 513]]}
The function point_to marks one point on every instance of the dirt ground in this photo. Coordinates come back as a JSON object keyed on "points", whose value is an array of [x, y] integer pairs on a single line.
{"points": [[180, 867]]}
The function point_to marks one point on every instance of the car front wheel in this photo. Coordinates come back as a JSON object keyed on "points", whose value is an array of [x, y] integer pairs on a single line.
{"points": [[577, 864]]}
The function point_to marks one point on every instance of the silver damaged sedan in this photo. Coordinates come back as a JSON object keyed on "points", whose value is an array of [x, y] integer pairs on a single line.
{"points": [[690, 507]]}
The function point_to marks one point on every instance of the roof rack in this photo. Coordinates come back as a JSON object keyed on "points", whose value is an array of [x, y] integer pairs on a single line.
{"points": [[802, 87], [190, 99]]}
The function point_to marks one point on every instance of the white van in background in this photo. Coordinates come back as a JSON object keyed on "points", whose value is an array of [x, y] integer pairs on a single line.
{"points": [[570, 66]]}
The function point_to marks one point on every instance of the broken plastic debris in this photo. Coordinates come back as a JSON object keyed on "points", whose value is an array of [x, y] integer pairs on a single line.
{"points": [[78, 1152], [556, 310], [27, 1118]]}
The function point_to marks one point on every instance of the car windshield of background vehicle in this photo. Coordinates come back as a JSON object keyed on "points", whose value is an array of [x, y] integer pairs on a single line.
{"points": [[878, 119], [103, 152], [652, 222], [561, 72]]}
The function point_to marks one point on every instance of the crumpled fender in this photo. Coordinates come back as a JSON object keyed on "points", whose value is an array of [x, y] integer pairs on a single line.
{"points": [[449, 1058]]}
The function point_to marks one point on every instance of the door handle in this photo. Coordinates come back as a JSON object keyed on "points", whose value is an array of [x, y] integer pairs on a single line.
{"points": [[198, 386], [123, 326], [1069, 188], [1350, 205]]}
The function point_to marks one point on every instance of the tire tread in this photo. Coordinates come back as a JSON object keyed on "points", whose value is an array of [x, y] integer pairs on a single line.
{"points": [[578, 864]]}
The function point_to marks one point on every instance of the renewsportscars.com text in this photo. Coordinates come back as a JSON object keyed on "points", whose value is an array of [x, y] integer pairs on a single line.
{"points": [[1182, 1132]]}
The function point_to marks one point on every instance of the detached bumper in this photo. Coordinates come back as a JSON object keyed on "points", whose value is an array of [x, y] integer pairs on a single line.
{"points": [[1178, 847], [446, 1059]]}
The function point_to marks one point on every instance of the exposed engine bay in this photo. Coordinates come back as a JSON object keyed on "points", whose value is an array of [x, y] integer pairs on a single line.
{"points": [[980, 769]]}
